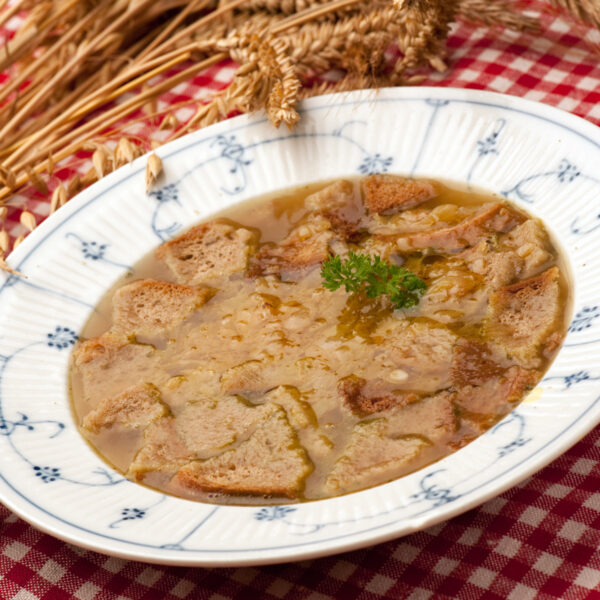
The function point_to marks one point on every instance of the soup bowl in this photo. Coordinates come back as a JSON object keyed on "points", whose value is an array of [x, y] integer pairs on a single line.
{"points": [[538, 157]]}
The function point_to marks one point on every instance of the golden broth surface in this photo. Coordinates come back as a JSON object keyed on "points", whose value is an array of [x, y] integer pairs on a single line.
{"points": [[273, 388]]}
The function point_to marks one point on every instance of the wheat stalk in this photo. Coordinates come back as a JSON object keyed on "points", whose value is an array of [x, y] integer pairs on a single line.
{"points": [[71, 58], [587, 11]]}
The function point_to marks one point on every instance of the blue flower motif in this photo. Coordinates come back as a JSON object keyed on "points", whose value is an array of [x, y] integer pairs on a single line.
{"points": [[433, 492], [487, 145], [272, 513], [6, 427], [518, 443], [129, 514], [168, 193], [567, 171], [576, 229], [47, 474], [93, 250], [375, 163], [584, 318], [63, 337], [440, 496], [233, 151], [576, 378]]}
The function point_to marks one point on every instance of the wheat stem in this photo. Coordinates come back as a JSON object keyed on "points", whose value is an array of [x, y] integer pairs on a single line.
{"points": [[91, 128], [194, 5], [43, 58], [313, 12], [11, 12], [68, 70], [187, 31]]}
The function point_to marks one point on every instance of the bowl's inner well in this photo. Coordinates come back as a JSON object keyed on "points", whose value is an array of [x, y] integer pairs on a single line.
{"points": [[227, 369]]}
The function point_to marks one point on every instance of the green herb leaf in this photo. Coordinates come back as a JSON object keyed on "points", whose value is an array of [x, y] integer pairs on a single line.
{"points": [[374, 277]]}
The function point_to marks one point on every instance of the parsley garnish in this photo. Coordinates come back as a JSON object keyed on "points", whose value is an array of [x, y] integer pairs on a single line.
{"points": [[374, 277]]}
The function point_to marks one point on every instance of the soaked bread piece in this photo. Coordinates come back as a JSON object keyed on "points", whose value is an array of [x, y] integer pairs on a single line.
{"points": [[163, 450], [270, 463], [474, 362], [334, 202], [481, 405], [207, 252], [250, 376], [363, 399], [101, 348], [387, 194], [531, 244], [180, 390], [433, 418], [422, 349], [372, 455], [442, 216], [207, 427], [331, 198], [135, 408], [523, 314], [109, 362], [149, 307], [306, 245], [299, 412], [490, 395], [498, 268], [303, 419], [492, 218], [487, 383]]}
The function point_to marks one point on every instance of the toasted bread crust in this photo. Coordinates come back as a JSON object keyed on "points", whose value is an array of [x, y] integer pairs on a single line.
{"points": [[473, 363], [209, 427], [388, 194], [370, 452], [135, 408], [270, 463], [362, 403], [484, 401], [531, 244], [149, 307], [522, 315], [304, 247], [432, 418], [163, 449], [495, 218], [208, 251], [332, 197]]}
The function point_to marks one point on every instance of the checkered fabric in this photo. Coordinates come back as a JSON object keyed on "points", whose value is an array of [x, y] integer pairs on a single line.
{"points": [[539, 540]]}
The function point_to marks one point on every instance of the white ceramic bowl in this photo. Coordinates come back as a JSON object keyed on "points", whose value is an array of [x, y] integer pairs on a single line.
{"points": [[539, 157]]}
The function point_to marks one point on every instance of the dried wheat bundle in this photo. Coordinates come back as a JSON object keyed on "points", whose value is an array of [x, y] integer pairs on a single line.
{"points": [[587, 11], [500, 12], [80, 71]]}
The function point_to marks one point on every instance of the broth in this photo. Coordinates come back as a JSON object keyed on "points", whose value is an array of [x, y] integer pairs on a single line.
{"points": [[221, 370]]}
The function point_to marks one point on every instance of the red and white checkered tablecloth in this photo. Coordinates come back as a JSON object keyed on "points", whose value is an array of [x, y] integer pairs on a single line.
{"points": [[539, 540]]}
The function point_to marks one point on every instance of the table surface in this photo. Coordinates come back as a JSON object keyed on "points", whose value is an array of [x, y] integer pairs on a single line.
{"points": [[539, 540]]}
